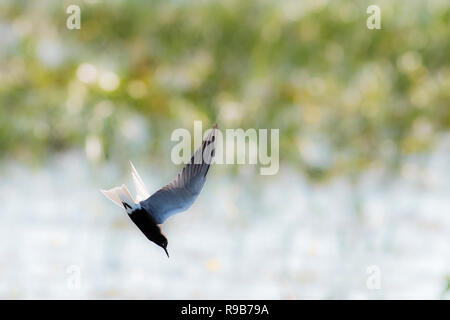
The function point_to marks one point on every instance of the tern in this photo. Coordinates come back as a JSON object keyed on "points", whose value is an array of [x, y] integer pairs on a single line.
{"points": [[147, 211]]}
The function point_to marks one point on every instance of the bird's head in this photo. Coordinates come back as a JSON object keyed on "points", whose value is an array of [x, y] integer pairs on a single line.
{"points": [[162, 242]]}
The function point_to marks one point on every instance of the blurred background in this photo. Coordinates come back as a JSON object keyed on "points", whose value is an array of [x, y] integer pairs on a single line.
{"points": [[364, 119]]}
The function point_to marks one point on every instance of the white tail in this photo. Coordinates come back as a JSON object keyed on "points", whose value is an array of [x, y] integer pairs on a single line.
{"points": [[122, 197]]}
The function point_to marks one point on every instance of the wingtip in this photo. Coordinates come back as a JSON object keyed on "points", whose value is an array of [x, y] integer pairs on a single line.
{"points": [[133, 169]]}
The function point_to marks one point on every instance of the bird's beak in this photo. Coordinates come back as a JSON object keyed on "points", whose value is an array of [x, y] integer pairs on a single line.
{"points": [[166, 252]]}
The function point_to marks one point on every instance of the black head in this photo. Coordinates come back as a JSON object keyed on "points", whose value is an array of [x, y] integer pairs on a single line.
{"points": [[161, 241]]}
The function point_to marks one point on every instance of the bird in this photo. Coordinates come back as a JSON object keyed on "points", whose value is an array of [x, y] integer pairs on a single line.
{"points": [[147, 211]]}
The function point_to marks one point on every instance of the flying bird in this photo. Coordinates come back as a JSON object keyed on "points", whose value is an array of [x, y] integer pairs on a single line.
{"points": [[149, 211]]}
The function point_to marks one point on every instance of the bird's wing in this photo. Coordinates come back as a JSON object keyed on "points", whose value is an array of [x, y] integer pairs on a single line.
{"points": [[181, 192], [141, 190]]}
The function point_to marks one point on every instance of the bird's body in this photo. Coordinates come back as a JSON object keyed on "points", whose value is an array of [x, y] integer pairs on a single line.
{"points": [[145, 222], [148, 212]]}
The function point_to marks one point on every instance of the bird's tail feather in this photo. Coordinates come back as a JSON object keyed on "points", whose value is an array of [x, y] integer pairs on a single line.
{"points": [[122, 197]]}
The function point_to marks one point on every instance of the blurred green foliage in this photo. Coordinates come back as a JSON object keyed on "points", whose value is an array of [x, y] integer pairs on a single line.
{"points": [[344, 97]]}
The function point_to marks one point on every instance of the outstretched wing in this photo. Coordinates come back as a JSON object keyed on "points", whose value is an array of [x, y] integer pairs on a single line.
{"points": [[182, 191]]}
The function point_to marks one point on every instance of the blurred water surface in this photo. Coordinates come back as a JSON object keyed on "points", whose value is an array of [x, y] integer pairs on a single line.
{"points": [[364, 121], [246, 237]]}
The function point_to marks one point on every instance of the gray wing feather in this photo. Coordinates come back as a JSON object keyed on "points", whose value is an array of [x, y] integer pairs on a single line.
{"points": [[182, 191]]}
